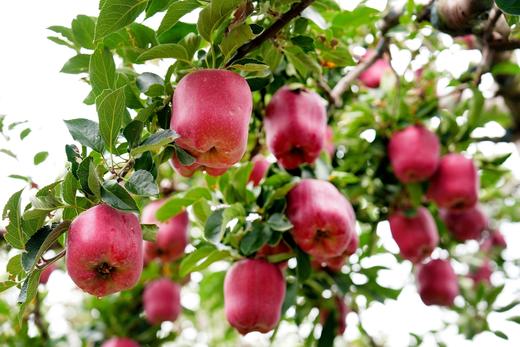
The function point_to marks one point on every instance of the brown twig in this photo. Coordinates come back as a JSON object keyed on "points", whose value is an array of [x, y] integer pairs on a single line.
{"points": [[270, 32], [502, 45]]}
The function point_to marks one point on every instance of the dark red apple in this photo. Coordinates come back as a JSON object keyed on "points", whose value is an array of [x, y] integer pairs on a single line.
{"points": [[120, 342], [295, 125], [335, 264], [105, 250], [371, 77], [46, 273], [172, 236], [455, 183], [437, 283], [495, 240], [162, 301], [211, 112], [260, 167], [414, 154], [482, 274], [466, 224], [254, 291], [323, 219], [415, 235]]}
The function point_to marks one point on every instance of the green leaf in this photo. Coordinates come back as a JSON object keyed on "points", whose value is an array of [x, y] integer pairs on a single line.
{"points": [[234, 39], [509, 6], [86, 132], [116, 14], [83, 28], [28, 292], [279, 222], [507, 307], [14, 266], [69, 188], [132, 132], [117, 197], [77, 64], [303, 269], [24, 133], [515, 319], [40, 157], [110, 107], [328, 333], [213, 15], [201, 210], [6, 285], [8, 152], [176, 10], [150, 232], [302, 62], [212, 229], [255, 238], [169, 50], [306, 43], [184, 157], [155, 6], [102, 70], [142, 183], [501, 334], [15, 236], [201, 258], [156, 142], [172, 207]]}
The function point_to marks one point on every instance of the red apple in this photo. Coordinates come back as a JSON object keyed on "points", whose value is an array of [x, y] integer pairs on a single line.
{"points": [[371, 77], [437, 283], [120, 342], [280, 248], [341, 315], [260, 167], [172, 236], [211, 112], [414, 154], [466, 224], [254, 291], [323, 219], [415, 235], [105, 250], [162, 301], [329, 142], [46, 273], [455, 183], [295, 124], [335, 264], [482, 274]]}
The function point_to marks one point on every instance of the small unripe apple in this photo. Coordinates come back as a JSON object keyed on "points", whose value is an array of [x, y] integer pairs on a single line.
{"points": [[455, 184], [120, 342], [46, 273], [323, 219], [466, 224], [162, 301], [415, 235], [254, 291], [211, 112], [329, 146], [260, 167], [295, 123], [414, 154], [105, 250], [341, 315], [371, 77], [437, 283], [482, 274], [494, 240], [172, 236]]}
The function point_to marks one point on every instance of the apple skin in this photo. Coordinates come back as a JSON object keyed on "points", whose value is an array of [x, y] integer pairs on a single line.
{"points": [[211, 112], [105, 250], [455, 184], [482, 274], [120, 342], [254, 291], [416, 236], [162, 301], [494, 240], [341, 314], [437, 283], [323, 219], [414, 154], [371, 77], [46, 273], [260, 167], [465, 225], [172, 236], [329, 146], [295, 125], [336, 264]]}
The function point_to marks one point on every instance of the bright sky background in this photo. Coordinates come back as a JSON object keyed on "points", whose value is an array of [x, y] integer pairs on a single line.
{"points": [[32, 89]]}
